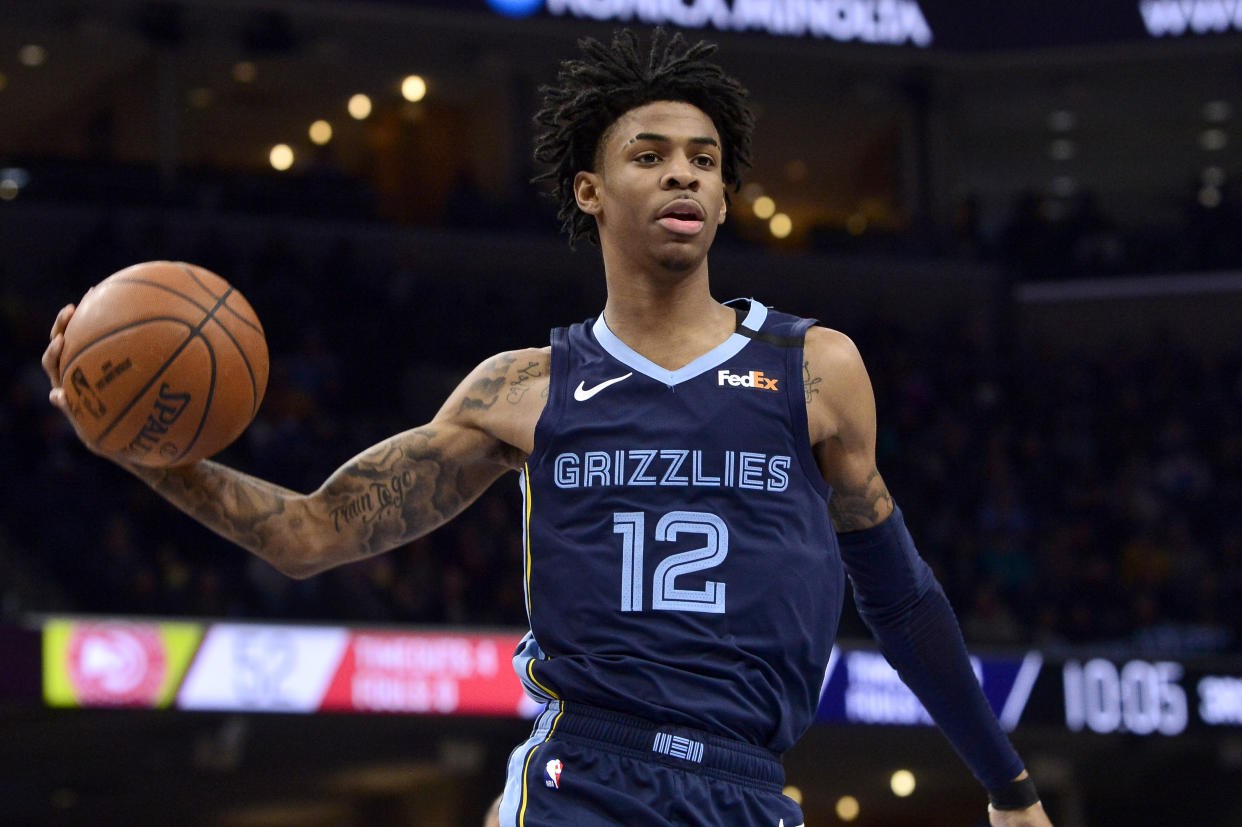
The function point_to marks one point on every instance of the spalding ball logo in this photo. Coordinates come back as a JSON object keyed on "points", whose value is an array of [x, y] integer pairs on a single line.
{"points": [[120, 664]]}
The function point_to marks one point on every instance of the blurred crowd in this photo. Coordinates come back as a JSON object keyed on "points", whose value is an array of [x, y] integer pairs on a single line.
{"points": [[1061, 499], [1037, 234], [1066, 500]]}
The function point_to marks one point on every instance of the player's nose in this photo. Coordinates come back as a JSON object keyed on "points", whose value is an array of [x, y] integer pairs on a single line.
{"points": [[680, 174]]}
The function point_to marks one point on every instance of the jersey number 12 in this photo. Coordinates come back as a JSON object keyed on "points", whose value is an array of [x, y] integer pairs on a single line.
{"points": [[665, 595]]}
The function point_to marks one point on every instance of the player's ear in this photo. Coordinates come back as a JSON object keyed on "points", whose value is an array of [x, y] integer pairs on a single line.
{"points": [[586, 192], [724, 208]]}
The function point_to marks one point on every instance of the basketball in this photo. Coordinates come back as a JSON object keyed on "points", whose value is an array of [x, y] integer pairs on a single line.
{"points": [[164, 363]]}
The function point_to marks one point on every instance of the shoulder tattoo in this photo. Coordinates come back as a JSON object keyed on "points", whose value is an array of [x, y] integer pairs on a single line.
{"points": [[485, 390], [522, 381], [810, 383]]}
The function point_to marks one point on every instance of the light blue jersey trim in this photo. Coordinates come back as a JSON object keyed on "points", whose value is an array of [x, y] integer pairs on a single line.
{"points": [[511, 811], [528, 650], [724, 351]]}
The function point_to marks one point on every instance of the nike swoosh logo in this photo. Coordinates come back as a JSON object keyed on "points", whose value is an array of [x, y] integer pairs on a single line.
{"points": [[582, 394]]}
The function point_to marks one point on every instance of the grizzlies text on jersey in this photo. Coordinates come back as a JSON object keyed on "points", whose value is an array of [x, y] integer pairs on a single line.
{"points": [[680, 565]]}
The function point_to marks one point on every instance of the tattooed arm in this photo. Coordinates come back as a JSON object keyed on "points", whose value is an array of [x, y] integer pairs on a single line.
{"points": [[841, 414], [390, 494]]}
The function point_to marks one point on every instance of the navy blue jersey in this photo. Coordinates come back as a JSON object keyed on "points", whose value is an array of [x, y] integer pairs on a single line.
{"points": [[680, 565]]}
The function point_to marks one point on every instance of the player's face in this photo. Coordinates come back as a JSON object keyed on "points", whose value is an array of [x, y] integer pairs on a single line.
{"points": [[657, 192]]}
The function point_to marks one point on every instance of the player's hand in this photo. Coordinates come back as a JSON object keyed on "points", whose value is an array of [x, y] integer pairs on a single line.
{"points": [[1033, 816], [51, 366], [51, 358]]}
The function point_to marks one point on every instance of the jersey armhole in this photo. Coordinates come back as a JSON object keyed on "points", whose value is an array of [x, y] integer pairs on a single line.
{"points": [[795, 395], [554, 409]]}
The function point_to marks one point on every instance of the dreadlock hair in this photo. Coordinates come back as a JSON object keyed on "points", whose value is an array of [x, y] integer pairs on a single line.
{"points": [[610, 80]]}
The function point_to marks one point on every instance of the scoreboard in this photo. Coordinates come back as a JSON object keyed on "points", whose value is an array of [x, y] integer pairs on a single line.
{"points": [[261, 667], [1157, 697]]}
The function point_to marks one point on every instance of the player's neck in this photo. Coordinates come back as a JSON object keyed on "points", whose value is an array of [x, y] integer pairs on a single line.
{"points": [[672, 323]]}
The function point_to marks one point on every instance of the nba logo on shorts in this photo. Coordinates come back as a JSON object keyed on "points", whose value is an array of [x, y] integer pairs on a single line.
{"points": [[553, 773]]}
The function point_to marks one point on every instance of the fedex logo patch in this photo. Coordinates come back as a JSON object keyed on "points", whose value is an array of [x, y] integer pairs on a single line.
{"points": [[753, 379]]}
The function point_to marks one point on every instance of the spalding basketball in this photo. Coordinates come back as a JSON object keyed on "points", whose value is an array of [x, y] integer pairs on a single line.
{"points": [[163, 364]]}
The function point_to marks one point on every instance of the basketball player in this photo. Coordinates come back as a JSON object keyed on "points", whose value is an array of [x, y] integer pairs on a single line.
{"points": [[697, 478]]}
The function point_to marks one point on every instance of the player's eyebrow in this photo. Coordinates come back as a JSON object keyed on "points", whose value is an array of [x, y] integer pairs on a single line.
{"points": [[654, 136]]}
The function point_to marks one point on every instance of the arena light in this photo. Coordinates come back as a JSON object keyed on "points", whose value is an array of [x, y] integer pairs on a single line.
{"points": [[1213, 139], [11, 182], [1063, 186], [764, 207], [856, 224], [1062, 120], [320, 132], [244, 71], [1217, 111], [902, 783], [32, 55], [780, 226], [200, 97], [1209, 198], [751, 192], [1213, 176], [281, 157], [359, 107], [847, 808], [19, 176], [793, 793], [1062, 149], [413, 88], [4, 81], [795, 170]]}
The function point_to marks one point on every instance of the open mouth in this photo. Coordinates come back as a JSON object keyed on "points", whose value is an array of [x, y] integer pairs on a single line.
{"points": [[684, 218]]}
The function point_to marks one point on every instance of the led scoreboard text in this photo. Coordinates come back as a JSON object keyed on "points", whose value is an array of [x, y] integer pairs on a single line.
{"points": [[257, 667], [1145, 697], [1091, 695]]}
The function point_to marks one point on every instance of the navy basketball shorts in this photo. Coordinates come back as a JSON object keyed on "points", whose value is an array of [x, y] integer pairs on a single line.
{"points": [[586, 767]]}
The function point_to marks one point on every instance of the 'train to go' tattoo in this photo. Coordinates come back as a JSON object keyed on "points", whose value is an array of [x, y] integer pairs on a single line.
{"points": [[401, 488]]}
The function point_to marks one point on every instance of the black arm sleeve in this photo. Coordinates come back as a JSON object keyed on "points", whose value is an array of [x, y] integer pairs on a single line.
{"points": [[900, 600]]}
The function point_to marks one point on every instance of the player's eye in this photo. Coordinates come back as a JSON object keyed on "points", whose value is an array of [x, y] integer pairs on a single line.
{"points": [[647, 158], [705, 161]]}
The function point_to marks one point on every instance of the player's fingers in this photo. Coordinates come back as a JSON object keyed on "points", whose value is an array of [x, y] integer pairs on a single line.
{"points": [[57, 397], [51, 359], [62, 319]]}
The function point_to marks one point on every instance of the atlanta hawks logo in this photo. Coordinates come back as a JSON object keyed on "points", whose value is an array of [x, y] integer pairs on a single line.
{"points": [[552, 773]]}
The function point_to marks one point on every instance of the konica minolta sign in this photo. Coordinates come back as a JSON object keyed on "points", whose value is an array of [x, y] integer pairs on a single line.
{"points": [[892, 22], [918, 24]]}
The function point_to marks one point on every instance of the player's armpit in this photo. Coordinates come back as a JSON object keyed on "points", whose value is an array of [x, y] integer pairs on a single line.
{"points": [[841, 415]]}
